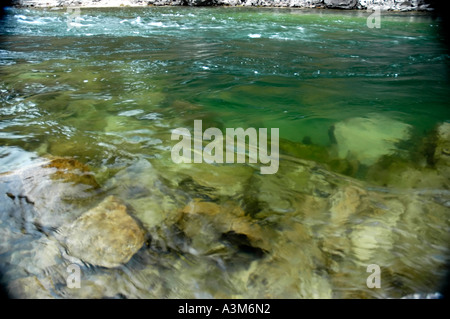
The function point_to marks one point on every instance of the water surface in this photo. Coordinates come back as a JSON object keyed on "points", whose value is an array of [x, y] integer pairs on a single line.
{"points": [[357, 102]]}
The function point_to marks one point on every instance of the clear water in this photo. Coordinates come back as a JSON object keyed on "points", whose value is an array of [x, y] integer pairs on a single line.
{"points": [[109, 91]]}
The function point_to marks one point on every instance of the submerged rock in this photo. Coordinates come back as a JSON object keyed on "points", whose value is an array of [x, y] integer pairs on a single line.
{"points": [[429, 167], [394, 173], [44, 193], [212, 227], [223, 180], [71, 171], [368, 139], [357, 223], [106, 235], [31, 288], [345, 203], [36, 257], [154, 198], [442, 151]]}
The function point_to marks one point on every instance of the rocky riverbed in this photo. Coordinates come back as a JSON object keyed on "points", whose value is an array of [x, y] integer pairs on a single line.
{"points": [[396, 5], [92, 206], [148, 230]]}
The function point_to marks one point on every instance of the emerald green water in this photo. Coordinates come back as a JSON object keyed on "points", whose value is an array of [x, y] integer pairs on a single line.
{"points": [[304, 72], [110, 90]]}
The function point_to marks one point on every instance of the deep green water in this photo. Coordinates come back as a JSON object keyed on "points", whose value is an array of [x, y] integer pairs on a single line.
{"points": [[110, 90]]}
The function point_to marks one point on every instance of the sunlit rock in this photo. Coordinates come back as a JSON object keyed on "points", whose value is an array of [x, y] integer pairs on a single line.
{"points": [[374, 238], [367, 139], [392, 5], [368, 239], [341, 4], [107, 235], [345, 203], [201, 2]]}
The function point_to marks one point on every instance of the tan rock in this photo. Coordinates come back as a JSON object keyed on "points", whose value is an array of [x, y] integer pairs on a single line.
{"points": [[105, 235], [376, 233], [345, 203]]}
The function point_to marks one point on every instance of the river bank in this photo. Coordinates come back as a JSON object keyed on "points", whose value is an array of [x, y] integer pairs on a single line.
{"points": [[384, 5]]}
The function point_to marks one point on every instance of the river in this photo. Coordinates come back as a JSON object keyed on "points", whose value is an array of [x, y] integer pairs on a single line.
{"points": [[355, 107]]}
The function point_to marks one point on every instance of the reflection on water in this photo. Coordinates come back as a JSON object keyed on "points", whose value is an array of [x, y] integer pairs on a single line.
{"points": [[86, 118]]}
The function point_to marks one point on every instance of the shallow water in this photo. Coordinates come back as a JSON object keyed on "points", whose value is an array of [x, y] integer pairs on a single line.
{"points": [[355, 108]]}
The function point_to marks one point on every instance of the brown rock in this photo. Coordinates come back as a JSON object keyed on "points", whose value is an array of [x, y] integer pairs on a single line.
{"points": [[71, 170]]}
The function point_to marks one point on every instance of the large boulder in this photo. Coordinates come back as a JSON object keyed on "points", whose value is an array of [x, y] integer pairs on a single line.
{"points": [[106, 235], [367, 139]]}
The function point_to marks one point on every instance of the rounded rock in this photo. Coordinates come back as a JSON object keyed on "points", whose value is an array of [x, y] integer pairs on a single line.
{"points": [[106, 235]]}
